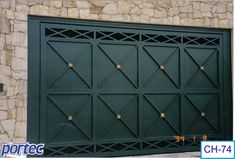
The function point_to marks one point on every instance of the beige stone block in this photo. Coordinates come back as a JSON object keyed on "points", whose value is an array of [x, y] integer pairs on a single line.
{"points": [[18, 64], [19, 140], [117, 18], [123, 7], [83, 4], [2, 42], [8, 14], [21, 52], [206, 21], [196, 5], [21, 114], [22, 2], [99, 3], [104, 16], [21, 86], [214, 22], [11, 113], [224, 23], [186, 9], [5, 70], [34, 2], [135, 10], [22, 8], [94, 16], [10, 91], [197, 14], [222, 15], [219, 8], [205, 7], [39, 10], [110, 9], [144, 19], [19, 39], [3, 104], [136, 18], [173, 11], [5, 57], [64, 12], [3, 115], [5, 25], [73, 13], [168, 20], [20, 26], [85, 13], [21, 16], [187, 21], [19, 75], [148, 12], [8, 125], [20, 129], [148, 5], [164, 3], [160, 13], [69, 3], [4, 138], [176, 20], [54, 11], [13, 82], [56, 3]]}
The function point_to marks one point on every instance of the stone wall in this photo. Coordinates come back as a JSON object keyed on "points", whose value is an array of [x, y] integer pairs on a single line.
{"points": [[13, 38]]}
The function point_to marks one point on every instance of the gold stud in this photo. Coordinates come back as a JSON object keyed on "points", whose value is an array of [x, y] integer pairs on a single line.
{"points": [[162, 67], [70, 118], [119, 66], [162, 115], [70, 65], [118, 116], [202, 67], [203, 114]]}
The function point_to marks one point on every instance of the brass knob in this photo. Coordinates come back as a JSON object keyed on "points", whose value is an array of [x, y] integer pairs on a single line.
{"points": [[119, 66], [162, 115], [70, 65], [202, 67], [203, 114], [162, 67], [70, 117], [118, 116]]}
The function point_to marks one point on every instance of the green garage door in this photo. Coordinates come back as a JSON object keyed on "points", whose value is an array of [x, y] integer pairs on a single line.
{"points": [[112, 89]]}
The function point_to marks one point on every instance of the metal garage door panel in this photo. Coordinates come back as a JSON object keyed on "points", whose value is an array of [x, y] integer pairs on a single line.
{"points": [[117, 68], [201, 68], [110, 89], [68, 65], [161, 67], [161, 115]]}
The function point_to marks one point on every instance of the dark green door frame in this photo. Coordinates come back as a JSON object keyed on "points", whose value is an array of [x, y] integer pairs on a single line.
{"points": [[160, 79]]}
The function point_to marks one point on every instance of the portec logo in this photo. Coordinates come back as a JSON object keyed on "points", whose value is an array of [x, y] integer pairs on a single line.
{"points": [[21, 149]]}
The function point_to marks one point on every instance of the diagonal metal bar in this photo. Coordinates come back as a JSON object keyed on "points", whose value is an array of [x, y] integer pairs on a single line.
{"points": [[129, 146], [168, 122], [66, 69], [58, 32], [199, 111], [81, 149], [67, 115], [198, 71], [121, 111], [122, 61], [83, 131], [82, 105], [106, 35], [154, 75], [107, 147]]}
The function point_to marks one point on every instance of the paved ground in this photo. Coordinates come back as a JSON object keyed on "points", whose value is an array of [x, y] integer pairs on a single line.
{"points": [[172, 155]]}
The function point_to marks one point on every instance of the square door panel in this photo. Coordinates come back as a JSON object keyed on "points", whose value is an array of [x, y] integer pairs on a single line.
{"points": [[201, 68], [117, 117], [201, 114], [161, 115], [160, 66], [68, 118]]}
